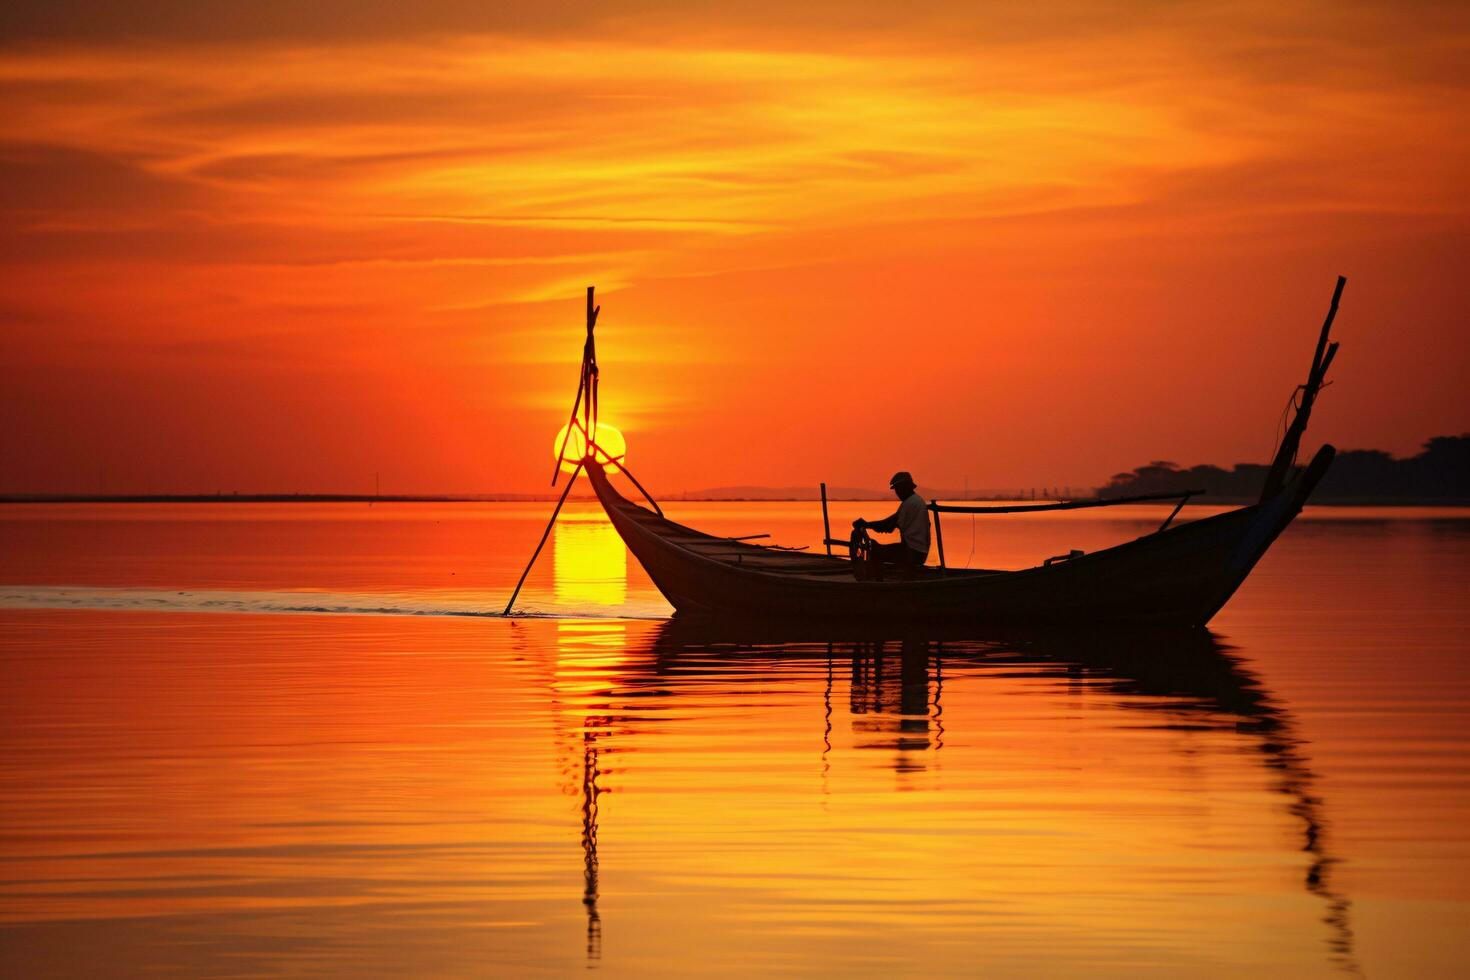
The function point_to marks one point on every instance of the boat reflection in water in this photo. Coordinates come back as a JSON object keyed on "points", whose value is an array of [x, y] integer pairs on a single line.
{"points": [[1185, 682]]}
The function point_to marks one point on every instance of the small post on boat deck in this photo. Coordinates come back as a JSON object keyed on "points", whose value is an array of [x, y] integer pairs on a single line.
{"points": [[1174, 513], [826, 524], [938, 534]]}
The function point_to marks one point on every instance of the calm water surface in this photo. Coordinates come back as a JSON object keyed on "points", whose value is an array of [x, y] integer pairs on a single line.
{"points": [[261, 739]]}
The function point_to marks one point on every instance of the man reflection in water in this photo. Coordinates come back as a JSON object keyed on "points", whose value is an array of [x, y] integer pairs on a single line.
{"points": [[902, 709], [911, 520]]}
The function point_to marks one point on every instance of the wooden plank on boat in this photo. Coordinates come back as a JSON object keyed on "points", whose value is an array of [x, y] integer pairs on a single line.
{"points": [[1063, 505]]}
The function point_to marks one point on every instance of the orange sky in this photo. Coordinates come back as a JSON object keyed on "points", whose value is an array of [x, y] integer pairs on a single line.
{"points": [[257, 247]]}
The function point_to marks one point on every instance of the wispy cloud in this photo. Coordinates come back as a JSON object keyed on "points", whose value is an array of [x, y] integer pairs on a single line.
{"points": [[442, 182]]}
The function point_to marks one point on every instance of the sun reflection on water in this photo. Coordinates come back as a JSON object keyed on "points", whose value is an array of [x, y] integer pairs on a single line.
{"points": [[590, 562]]}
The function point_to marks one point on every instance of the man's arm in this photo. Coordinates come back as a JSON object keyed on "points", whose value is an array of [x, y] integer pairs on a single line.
{"points": [[889, 523]]}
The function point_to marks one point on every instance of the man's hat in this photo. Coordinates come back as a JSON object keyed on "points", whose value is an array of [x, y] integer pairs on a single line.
{"points": [[901, 479]]}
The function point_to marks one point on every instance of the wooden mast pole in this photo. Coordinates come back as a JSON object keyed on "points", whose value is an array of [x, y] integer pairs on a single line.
{"points": [[587, 385], [589, 372], [1291, 441]]}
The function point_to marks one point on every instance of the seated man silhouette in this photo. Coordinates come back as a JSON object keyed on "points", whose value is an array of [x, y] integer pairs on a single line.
{"points": [[911, 520]]}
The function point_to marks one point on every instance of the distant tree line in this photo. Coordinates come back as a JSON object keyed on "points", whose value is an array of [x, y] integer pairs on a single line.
{"points": [[1441, 472]]}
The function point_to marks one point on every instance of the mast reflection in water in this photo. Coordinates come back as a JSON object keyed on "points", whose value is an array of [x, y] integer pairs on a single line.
{"points": [[590, 659]]}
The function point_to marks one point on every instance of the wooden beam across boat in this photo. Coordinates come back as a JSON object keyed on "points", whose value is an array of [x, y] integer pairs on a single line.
{"points": [[1064, 505]]}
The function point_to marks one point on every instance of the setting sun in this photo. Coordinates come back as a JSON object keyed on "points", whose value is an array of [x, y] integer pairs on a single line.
{"points": [[608, 438]]}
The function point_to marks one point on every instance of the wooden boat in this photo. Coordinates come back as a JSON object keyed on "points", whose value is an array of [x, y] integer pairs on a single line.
{"points": [[1177, 576]]}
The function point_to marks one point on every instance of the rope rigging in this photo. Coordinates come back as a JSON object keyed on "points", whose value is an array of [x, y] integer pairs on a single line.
{"points": [[585, 402]]}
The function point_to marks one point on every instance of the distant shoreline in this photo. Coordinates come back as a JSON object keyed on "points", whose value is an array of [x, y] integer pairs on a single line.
{"points": [[1439, 476], [353, 498]]}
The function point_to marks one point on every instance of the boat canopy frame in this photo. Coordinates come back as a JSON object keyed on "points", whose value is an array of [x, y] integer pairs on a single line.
{"points": [[936, 508]]}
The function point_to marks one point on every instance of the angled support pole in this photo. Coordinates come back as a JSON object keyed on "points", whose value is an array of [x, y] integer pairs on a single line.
{"points": [[542, 543], [561, 451]]}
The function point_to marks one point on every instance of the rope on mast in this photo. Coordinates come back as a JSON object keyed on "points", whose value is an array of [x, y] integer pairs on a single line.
{"points": [[587, 402]]}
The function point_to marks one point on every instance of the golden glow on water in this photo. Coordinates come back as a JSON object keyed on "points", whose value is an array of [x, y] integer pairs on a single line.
{"points": [[589, 561], [432, 795], [588, 654]]}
